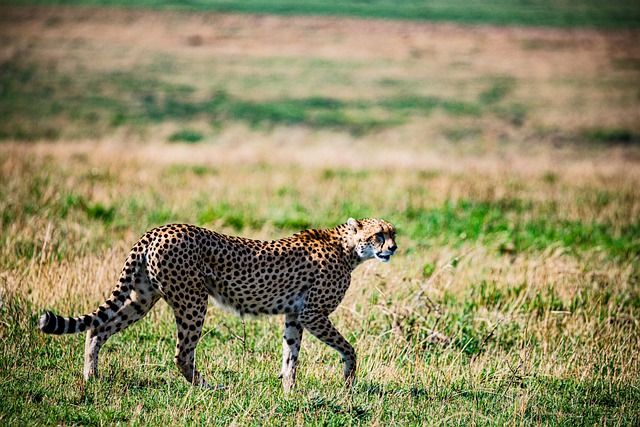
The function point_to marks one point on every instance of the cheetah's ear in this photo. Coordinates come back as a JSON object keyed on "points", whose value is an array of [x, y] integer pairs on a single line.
{"points": [[354, 224]]}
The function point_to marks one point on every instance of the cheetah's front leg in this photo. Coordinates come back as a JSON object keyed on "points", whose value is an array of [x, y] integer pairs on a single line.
{"points": [[290, 350], [318, 325]]}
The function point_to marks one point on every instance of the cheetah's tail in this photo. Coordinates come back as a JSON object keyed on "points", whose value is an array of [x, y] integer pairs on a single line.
{"points": [[50, 323]]}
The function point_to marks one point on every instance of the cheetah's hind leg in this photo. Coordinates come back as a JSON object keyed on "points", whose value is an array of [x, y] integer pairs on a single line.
{"points": [[290, 350], [142, 298]]}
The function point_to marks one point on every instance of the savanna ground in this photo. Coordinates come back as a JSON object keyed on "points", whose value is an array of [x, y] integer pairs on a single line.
{"points": [[508, 158]]}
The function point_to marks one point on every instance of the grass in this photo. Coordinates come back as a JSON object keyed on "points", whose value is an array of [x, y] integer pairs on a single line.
{"points": [[573, 13], [53, 88], [186, 135], [513, 299], [123, 99], [539, 312]]}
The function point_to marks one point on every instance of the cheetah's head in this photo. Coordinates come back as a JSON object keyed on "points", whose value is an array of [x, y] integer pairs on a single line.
{"points": [[373, 238]]}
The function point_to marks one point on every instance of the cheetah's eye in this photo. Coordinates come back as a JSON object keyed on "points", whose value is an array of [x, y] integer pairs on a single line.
{"points": [[380, 237]]}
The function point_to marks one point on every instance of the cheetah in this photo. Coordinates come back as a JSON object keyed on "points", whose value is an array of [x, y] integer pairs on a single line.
{"points": [[304, 277]]}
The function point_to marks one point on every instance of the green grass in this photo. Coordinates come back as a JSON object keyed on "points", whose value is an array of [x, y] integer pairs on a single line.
{"points": [[505, 223], [537, 301], [573, 13], [613, 136], [96, 104], [186, 135]]}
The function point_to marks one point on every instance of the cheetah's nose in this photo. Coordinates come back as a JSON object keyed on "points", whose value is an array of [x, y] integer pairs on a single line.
{"points": [[393, 248]]}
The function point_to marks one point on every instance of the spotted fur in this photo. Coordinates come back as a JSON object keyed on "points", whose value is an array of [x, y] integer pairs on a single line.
{"points": [[304, 277]]}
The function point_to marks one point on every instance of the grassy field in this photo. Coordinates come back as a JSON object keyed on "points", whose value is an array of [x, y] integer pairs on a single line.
{"points": [[568, 13], [508, 158]]}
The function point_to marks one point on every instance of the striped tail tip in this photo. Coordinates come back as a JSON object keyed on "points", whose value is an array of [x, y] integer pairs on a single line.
{"points": [[49, 323]]}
